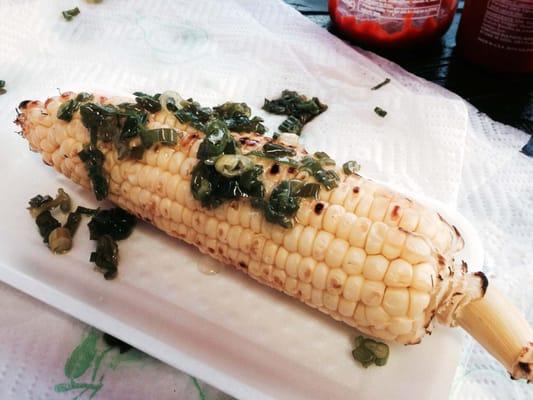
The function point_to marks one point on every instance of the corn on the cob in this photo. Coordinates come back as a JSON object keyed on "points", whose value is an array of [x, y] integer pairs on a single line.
{"points": [[361, 253]]}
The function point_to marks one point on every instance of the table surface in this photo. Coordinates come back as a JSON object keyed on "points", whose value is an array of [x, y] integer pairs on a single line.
{"points": [[508, 99]]}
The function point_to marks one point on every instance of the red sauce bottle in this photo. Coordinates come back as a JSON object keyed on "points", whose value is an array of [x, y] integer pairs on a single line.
{"points": [[392, 23], [497, 34]]}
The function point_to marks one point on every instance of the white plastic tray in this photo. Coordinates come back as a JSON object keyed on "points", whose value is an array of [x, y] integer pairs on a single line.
{"points": [[225, 329]]}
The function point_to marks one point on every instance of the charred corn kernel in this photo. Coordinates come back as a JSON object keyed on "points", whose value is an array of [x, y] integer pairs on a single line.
{"points": [[306, 269], [353, 261], [399, 274], [372, 293], [352, 288], [335, 281], [360, 253]]}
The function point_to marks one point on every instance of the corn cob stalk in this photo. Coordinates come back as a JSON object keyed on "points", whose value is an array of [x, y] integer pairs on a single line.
{"points": [[361, 253]]}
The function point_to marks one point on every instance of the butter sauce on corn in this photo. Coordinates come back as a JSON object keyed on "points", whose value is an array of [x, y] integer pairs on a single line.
{"points": [[356, 250]]}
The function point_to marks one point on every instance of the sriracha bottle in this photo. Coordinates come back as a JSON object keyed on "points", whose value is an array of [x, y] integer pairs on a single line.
{"points": [[392, 23]]}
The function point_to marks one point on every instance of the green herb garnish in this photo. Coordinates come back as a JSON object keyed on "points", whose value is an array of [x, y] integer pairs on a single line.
{"points": [[284, 201], [166, 136], [106, 256], [67, 109], [368, 352], [379, 111], [114, 222], [46, 224], [39, 203], [69, 14], [93, 159], [2, 87], [147, 102], [380, 85], [299, 108], [326, 177], [217, 137], [351, 167], [237, 118]]}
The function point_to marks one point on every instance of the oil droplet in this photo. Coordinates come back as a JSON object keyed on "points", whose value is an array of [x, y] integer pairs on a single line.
{"points": [[206, 265]]}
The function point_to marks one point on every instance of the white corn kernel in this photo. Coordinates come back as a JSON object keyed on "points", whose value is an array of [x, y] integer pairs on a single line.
{"points": [[278, 277], [375, 267], [379, 208], [409, 220], [316, 297], [256, 247], [394, 241], [399, 274], [372, 293], [359, 315], [290, 242], [211, 227], [346, 307], [376, 238], [291, 285], [359, 232], [364, 205], [396, 301], [353, 261], [305, 243], [418, 301], [304, 289], [320, 245], [400, 326], [292, 264], [245, 241], [423, 277], [306, 269], [345, 226], [320, 275], [331, 301], [234, 235], [222, 232], [281, 258], [416, 249], [352, 288], [377, 317], [335, 281], [331, 217], [336, 252], [269, 252]]}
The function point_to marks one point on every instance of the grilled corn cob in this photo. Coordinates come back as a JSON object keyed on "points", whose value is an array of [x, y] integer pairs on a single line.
{"points": [[361, 253]]}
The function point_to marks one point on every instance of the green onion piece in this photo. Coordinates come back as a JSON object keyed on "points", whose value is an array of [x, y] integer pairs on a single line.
{"points": [[274, 150], [380, 350], [232, 165], [83, 97], [309, 190], [60, 240], [106, 256], [217, 137], [380, 85], [379, 111], [73, 222], [351, 167], [166, 136], [149, 103], [291, 125], [67, 109], [114, 222], [93, 159], [364, 356], [324, 158], [2, 87], [46, 224], [39, 203], [359, 341], [85, 210], [69, 14]]}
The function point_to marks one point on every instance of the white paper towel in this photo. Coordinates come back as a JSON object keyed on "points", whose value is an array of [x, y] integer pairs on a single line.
{"points": [[243, 51]]}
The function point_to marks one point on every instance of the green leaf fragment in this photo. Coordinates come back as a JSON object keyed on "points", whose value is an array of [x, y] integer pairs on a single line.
{"points": [[380, 85], [93, 159], [70, 14], [379, 111], [368, 351], [351, 167], [106, 256]]}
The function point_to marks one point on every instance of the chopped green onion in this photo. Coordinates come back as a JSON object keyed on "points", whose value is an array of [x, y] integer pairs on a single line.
{"points": [[166, 136], [39, 203], [351, 167], [73, 222], [69, 14], [67, 109], [114, 222], [46, 224], [2, 87], [291, 125], [379, 111], [380, 85], [60, 240], [93, 159], [368, 351], [106, 256], [232, 165]]}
